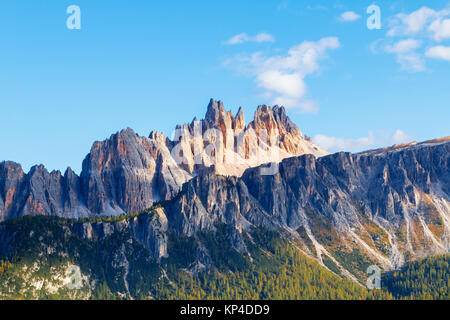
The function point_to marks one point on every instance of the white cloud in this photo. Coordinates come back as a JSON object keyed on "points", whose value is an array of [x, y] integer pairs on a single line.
{"points": [[286, 84], [400, 137], [349, 16], [440, 29], [406, 55], [411, 62], [438, 52], [282, 78], [424, 21], [244, 37], [423, 25], [335, 144], [413, 23]]}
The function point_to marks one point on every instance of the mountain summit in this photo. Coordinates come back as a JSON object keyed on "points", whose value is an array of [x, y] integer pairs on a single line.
{"points": [[128, 173]]}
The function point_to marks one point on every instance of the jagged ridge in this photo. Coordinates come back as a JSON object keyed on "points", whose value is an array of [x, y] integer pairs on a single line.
{"points": [[128, 173]]}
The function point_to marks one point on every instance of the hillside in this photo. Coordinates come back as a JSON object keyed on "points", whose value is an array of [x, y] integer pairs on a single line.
{"points": [[40, 256]]}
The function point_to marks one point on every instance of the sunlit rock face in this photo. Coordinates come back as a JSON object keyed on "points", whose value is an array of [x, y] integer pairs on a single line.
{"points": [[224, 142]]}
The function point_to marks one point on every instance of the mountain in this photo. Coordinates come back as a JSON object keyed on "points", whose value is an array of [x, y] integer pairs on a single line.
{"points": [[45, 257], [348, 211], [128, 173], [226, 198]]}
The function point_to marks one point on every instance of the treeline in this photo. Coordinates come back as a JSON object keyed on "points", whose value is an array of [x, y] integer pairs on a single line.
{"points": [[428, 279], [278, 271]]}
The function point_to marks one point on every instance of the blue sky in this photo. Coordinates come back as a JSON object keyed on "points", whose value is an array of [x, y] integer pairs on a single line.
{"points": [[150, 65]]}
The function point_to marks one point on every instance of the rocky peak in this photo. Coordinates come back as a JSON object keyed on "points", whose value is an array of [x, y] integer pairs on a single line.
{"points": [[274, 118], [38, 170], [159, 137], [284, 122], [127, 132], [217, 117], [11, 179], [10, 170], [214, 112], [69, 173], [239, 121], [264, 119]]}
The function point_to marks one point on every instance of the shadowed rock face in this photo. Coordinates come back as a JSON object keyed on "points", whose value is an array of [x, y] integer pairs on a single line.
{"points": [[390, 205], [374, 207], [39, 192], [128, 173], [11, 185], [378, 207]]}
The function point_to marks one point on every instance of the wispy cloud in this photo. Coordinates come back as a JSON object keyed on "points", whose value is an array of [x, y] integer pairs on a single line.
{"points": [[316, 7], [349, 16], [406, 54], [282, 78], [282, 5], [244, 37], [403, 46], [411, 62], [372, 140]]}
